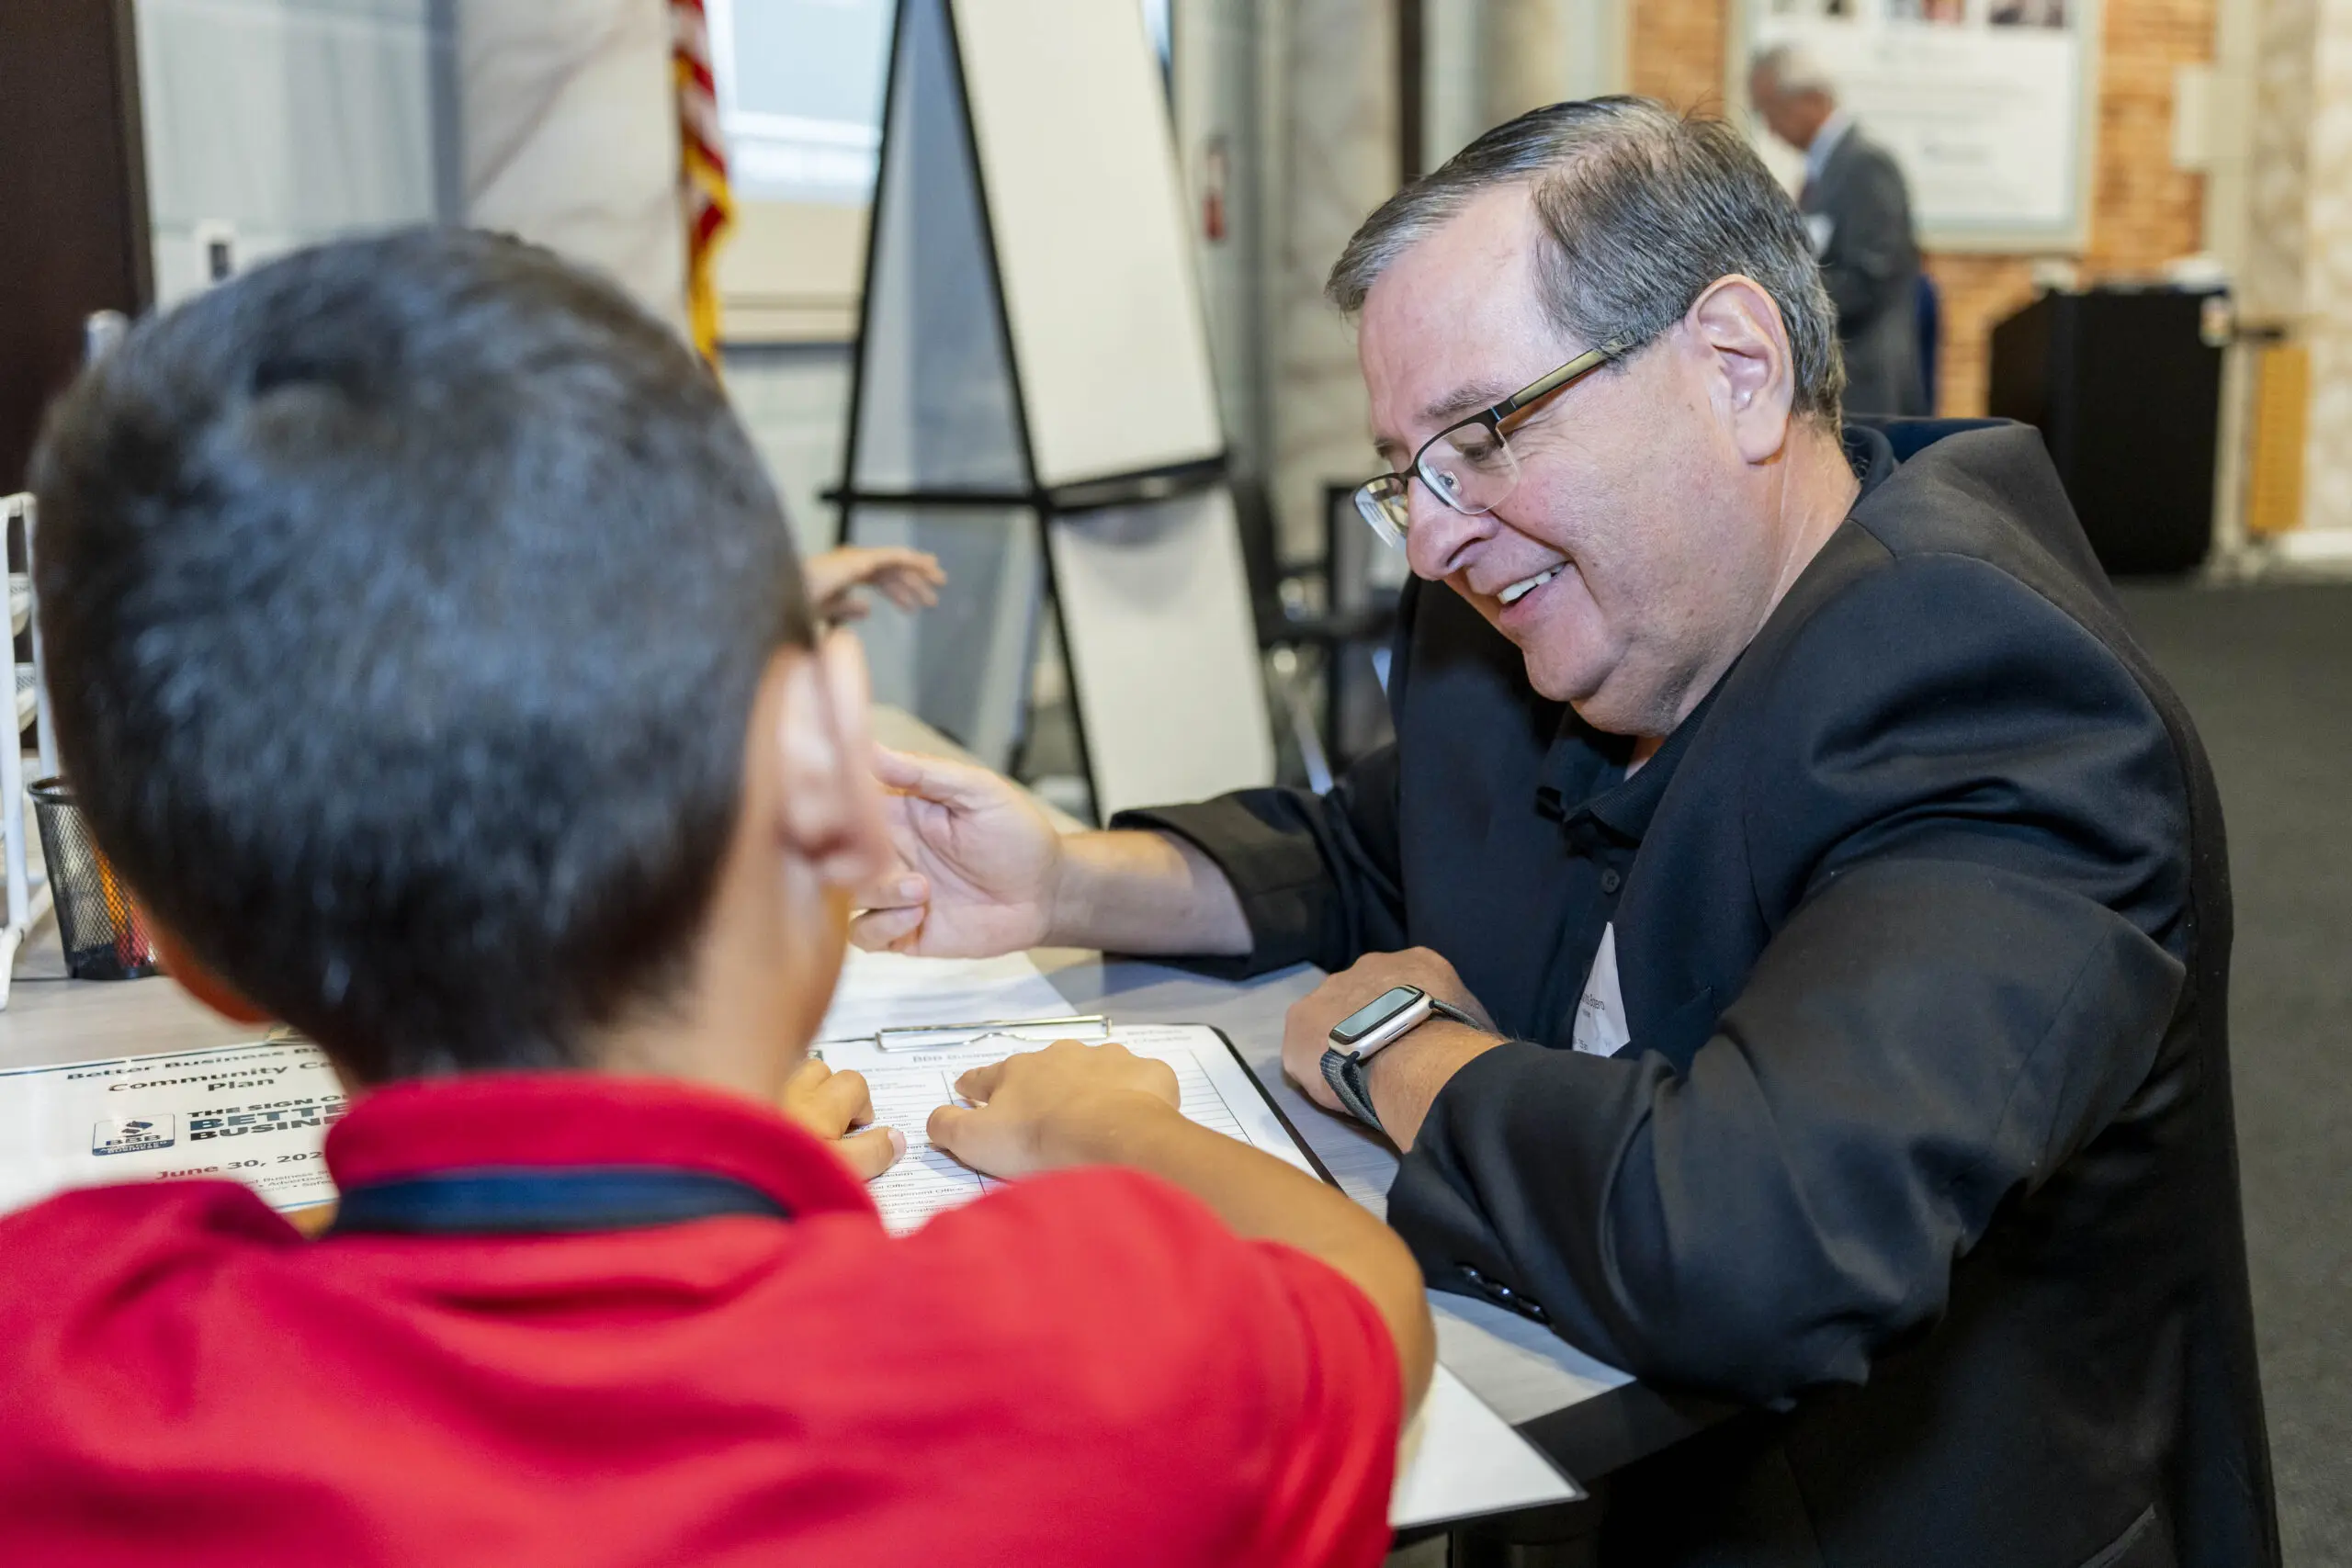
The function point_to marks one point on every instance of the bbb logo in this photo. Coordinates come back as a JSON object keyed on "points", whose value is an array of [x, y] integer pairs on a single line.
{"points": [[130, 1134]]}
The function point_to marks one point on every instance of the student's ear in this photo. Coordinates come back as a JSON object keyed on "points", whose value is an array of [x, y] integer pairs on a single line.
{"points": [[830, 809], [1738, 327], [199, 982]]}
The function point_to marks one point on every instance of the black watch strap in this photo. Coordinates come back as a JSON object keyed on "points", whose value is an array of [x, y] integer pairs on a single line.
{"points": [[1447, 1010], [1345, 1074]]}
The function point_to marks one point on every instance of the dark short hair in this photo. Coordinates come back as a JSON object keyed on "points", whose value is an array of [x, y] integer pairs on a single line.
{"points": [[1643, 207], [405, 602]]}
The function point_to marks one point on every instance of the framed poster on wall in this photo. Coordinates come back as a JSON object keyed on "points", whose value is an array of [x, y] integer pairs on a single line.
{"points": [[1990, 106]]}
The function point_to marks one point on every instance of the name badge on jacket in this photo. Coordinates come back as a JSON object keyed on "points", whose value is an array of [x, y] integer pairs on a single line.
{"points": [[1600, 1013]]}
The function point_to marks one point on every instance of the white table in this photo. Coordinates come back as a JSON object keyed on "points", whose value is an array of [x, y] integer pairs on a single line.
{"points": [[1592, 1418]]}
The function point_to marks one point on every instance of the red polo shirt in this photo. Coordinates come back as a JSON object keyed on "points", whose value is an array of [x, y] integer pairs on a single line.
{"points": [[1086, 1368]]}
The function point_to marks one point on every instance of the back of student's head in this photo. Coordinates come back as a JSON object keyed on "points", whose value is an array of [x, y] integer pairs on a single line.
{"points": [[405, 603]]}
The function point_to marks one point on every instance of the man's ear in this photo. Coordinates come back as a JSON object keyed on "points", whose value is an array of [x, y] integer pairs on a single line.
{"points": [[828, 809], [1736, 324], [199, 982]]}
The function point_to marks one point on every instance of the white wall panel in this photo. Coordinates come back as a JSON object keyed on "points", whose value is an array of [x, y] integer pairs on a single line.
{"points": [[290, 121]]}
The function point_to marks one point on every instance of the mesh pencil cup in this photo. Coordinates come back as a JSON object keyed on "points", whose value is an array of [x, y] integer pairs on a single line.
{"points": [[106, 937]]}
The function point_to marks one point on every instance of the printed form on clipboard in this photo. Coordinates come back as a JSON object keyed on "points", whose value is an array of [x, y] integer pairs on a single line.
{"points": [[909, 1081], [913, 1026]]}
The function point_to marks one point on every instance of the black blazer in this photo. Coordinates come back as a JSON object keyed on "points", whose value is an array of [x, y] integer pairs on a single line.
{"points": [[1871, 263], [1922, 1149]]}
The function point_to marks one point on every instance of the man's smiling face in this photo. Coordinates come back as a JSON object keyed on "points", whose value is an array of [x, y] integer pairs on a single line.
{"points": [[1618, 562]]}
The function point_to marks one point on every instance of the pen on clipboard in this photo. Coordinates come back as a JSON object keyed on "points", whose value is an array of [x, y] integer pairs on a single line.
{"points": [[1092, 1028]]}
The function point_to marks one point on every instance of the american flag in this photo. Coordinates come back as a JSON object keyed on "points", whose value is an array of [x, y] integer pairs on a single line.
{"points": [[702, 172]]}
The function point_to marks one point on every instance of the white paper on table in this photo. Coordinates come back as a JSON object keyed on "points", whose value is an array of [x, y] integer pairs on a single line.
{"points": [[907, 1086], [1460, 1460], [256, 1113], [891, 990]]}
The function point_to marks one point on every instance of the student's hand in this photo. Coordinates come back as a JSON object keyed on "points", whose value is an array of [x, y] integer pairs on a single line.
{"points": [[833, 1105], [981, 862], [1047, 1108], [910, 578]]}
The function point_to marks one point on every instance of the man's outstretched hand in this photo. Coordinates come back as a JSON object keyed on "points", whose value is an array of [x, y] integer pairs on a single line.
{"points": [[979, 862], [983, 870]]}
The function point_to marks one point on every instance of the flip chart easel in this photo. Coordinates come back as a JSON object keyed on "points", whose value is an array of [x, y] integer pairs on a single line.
{"points": [[1032, 402]]}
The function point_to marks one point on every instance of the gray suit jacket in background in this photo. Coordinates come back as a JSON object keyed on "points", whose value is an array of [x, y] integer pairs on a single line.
{"points": [[1871, 266]]}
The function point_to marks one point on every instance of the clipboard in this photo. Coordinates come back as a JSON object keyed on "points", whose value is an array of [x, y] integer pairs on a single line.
{"points": [[908, 1080], [1314, 1161], [1091, 1029]]}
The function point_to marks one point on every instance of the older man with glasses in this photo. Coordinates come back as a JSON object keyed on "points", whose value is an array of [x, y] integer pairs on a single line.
{"points": [[1789, 937]]}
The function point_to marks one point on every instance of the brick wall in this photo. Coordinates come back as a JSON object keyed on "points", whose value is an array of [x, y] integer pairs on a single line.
{"points": [[1678, 49], [2143, 212]]}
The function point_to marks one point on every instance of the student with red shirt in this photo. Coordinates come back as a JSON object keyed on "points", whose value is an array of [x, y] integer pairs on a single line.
{"points": [[430, 656]]}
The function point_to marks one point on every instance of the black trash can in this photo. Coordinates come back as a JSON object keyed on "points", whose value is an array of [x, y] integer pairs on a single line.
{"points": [[106, 937], [2125, 384]]}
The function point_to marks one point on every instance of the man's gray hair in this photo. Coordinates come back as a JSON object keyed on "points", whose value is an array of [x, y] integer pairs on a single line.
{"points": [[1642, 209]]}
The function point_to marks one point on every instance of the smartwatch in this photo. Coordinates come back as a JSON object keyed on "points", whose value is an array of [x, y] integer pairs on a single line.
{"points": [[1374, 1026]]}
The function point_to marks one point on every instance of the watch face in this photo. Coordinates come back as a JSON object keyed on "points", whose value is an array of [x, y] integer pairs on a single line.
{"points": [[1352, 1028]]}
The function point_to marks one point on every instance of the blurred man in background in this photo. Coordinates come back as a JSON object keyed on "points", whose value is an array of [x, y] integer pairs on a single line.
{"points": [[1859, 211]]}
